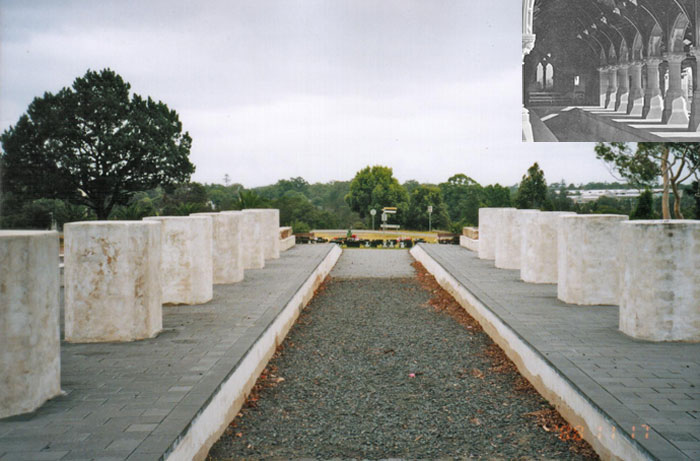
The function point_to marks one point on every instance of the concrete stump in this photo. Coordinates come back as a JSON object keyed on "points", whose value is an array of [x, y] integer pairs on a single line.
{"points": [[112, 281], [588, 266], [509, 237], [30, 366], [538, 257], [269, 231], [660, 278], [186, 259], [252, 241], [488, 229], [227, 257]]}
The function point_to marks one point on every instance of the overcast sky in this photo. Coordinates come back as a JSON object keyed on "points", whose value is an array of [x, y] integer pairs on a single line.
{"points": [[312, 88]]}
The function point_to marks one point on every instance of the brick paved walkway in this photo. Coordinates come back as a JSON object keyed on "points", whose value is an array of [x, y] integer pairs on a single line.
{"points": [[134, 400], [653, 387]]}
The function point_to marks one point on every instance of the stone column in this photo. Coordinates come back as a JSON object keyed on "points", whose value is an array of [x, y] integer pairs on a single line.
{"points": [[653, 101], [636, 95], [623, 91], [509, 238], [660, 278], [538, 258], [694, 123], [227, 258], [30, 365], [252, 242], [269, 231], [488, 229], [528, 45], [603, 87], [675, 103], [612, 88], [112, 281], [587, 264], [186, 259]]}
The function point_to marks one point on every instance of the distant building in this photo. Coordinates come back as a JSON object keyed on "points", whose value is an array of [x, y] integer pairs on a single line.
{"points": [[584, 196]]}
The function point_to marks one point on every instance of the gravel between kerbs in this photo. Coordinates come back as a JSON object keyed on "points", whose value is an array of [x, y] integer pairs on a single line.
{"points": [[371, 370]]}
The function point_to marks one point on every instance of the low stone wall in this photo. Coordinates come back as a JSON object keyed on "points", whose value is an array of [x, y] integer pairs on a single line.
{"points": [[588, 259], [471, 232], [227, 255], [287, 243], [112, 280], [469, 243], [488, 230], [30, 368], [509, 237], [285, 232], [538, 256], [251, 240], [660, 277], [186, 263]]}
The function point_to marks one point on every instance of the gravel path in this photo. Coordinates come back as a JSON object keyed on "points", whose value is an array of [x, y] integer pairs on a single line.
{"points": [[372, 370]]}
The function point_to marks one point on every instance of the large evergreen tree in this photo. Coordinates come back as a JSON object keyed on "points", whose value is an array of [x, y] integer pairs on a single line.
{"points": [[94, 144], [374, 188], [532, 192]]}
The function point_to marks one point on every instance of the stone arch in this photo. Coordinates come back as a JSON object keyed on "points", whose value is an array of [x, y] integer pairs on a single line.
{"points": [[655, 39], [623, 55], [528, 12], [540, 76], [637, 48], [612, 54], [603, 58], [677, 34]]}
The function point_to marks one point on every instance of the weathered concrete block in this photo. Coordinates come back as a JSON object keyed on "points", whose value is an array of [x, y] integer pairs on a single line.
{"points": [[488, 229], [186, 259], [30, 365], [252, 241], [538, 257], [112, 281], [226, 246], [660, 280], [269, 231], [587, 264], [285, 232], [509, 237], [469, 243], [287, 243]]}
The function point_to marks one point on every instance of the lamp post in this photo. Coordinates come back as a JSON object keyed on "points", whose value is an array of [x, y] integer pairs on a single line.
{"points": [[373, 212], [430, 218]]}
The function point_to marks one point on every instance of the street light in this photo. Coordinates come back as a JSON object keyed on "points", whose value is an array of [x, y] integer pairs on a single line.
{"points": [[373, 212], [430, 218]]}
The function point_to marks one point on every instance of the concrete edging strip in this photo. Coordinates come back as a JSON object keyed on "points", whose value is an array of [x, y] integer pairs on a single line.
{"points": [[208, 426], [574, 406]]}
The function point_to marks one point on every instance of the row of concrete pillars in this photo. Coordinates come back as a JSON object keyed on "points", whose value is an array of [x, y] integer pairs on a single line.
{"points": [[621, 90]]}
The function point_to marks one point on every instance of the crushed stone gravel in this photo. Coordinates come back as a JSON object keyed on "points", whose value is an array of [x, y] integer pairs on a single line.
{"points": [[387, 368]]}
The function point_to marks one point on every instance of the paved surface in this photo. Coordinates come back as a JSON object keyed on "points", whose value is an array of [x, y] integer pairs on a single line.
{"points": [[373, 263], [637, 383], [133, 400]]}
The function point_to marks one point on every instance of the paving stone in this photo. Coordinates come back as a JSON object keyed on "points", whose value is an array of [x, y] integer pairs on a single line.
{"points": [[135, 399], [648, 381]]}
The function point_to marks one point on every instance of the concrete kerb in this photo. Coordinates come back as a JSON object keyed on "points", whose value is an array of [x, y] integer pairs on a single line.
{"points": [[222, 407], [570, 401]]}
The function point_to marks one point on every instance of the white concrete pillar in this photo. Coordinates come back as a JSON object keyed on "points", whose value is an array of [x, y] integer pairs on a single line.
{"points": [[623, 90], [636, 95], [675, 103], [252, 242], [588, 259], [227, 257], [603, 84], [611, 98], [488, 229], [538, 258], [509, 238], [653, 101], [186, 259], [112, 281], [660, 278], [30, 365], [269, 231]]}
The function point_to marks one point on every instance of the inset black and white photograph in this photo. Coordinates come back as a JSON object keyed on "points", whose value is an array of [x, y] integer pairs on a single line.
{"points": [[610, 70]]}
